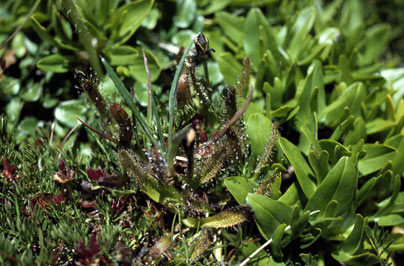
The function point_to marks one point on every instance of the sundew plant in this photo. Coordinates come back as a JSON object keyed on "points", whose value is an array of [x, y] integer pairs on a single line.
{"points": [[198, 132]]}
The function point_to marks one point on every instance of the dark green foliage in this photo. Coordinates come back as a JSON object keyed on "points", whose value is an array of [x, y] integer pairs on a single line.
{"points": [[280, 126]]}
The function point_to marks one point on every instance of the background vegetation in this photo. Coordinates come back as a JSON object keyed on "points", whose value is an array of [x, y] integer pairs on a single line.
{"points": [[292, 143]]}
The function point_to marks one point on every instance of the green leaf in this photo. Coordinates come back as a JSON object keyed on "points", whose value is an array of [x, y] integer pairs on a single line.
{"points": [[350, 246], [398, 165], [137, 69], [302, 169], [276, 244], [9, 85], [128, 99], [395, 77], [387, 206], [253, 36], [301, 29], [215, 76], [183, 37], [390, 220], [229, 67], [258, 128], [66, 111], [354, 240], [56, 63], [215, 6], [26, 127], [352, 98], [319, 163], [131, 16], [339, 185], [309, 238], [377, 38], [150, 21], [376, 158], [357, 132], [13, 110], [31, 92], [231, 25], [186, 10], [335, 149], [269, 213], [121, 55], [239, 187], [172, 100], [364, 191]]}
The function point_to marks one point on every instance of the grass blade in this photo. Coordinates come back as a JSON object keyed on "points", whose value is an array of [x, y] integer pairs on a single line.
{"points": [[151, 103], [128, 99], [171, 101]]}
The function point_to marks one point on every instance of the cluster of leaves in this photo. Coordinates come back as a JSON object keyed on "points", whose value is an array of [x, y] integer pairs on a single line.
{"points": [[318, 193]]}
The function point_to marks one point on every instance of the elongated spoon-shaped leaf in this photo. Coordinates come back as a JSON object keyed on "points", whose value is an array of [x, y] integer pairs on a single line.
{"points": [[128, 99]]}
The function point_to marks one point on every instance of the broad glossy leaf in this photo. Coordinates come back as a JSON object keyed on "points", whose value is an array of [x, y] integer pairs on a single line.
{"points": [[231, 25], [364, 191], [252, 46], [376, 158], [185, 14], [121, 55], [354, 240], [229, 67], [328, 35], [310, 237], [54, 63], [13, 110], [301, 28], [319, 164], [150, 21], [215, 76], [377, 38], [398, 165], [396, 78], [365, 258], [339, 185], [351, 98], [301, 168], [31, 92], [215, 6], [398, 206], [282, 111], [269, 213], [258, 128], [131, 16], [98, 11], [390, 220], [239, 187], [352, 16], [183, 37], [66, 111], [26, 127], [138, 71], [349, 247], [9, 85], [387, 206], [379, 125], [276, 244], [335, 149], [357, 132], [293, 195]]}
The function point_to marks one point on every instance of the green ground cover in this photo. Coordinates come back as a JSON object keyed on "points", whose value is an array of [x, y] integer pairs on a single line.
{"points": [[201, 132]]}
